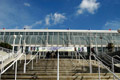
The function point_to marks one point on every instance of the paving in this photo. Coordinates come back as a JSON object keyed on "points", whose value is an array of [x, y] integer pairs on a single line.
{"points": [[69, 69]]}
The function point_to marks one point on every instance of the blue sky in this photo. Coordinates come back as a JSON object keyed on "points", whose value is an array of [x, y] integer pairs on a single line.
{"points": [[60, 14]]}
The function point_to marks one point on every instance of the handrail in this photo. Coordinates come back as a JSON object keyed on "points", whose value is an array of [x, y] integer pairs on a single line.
{"points": [[83, 57], [72, 62], [32, 58], [108, 57], [106, 67], [5, 49], [11, 64], [117, 61], [113, 63], [15, 61], [1, 62], [8, 56], [30, 61], [117, 57], [102, 60]]}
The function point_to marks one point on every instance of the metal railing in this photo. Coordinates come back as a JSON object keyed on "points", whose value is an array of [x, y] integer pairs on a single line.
{"points": [[12, 64], [100, 63], [83, 60], [7, 50], [110, 58], [8, 54], [31, 59], [4, 58], [1, 62], [103, 61], [114, 64]]}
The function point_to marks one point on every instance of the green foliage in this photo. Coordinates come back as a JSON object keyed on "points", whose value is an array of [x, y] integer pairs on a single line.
{"points": [[5, 45]]}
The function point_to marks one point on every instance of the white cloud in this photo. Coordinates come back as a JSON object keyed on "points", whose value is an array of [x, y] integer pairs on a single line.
{"points": [[89, 6], [33, 25], [38, 22], [53, 19], [115, 24], [27, 4], [47, 19], [58, 18], [27, 27]]}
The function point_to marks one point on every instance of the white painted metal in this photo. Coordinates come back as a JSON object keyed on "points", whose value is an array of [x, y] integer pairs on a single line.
{"points": [[13, 43], [15, 61], [58, 66], [90, 63], [16, 71], [25, 64], [106, 67], [56, 30], [99, 70], [113, 64]]}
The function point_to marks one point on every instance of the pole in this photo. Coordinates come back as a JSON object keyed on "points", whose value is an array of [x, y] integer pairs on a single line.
{"points": [[90, 64], [36, 57], [20, 42], [32, 64], [4, 36], [96, 45], [13, 43], [99, 70], [25, 65], [58, 66], [16, 71], [72, 55], [113, 67], [101, 45]]}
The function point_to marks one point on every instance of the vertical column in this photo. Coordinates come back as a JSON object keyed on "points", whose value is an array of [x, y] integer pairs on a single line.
{"points": [[113, 67], [16, 71], [101, 44], [99, 70], [58, 66], [96, 44], [13, 43], [58, 40], [90, 64], [24, 41], [4, 35], [90, 54], [20, 42]]}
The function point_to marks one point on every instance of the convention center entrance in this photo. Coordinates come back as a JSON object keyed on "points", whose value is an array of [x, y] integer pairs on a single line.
{"points": [[64, 52]]}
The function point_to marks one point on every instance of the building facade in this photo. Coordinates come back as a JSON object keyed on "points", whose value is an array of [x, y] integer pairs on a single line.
{"points": [[61, 38]]}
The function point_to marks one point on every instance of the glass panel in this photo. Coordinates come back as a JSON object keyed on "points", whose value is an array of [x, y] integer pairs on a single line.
{"points": [[11, 33]]}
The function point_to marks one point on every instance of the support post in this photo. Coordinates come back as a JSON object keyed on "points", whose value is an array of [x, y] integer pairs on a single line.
{"points": [[72, 55], [25, 65], [39, 55], [58, 66], [99, 70], [36, 57], [13, 67], [13, 43], [0, 76], [16, 71], [90, 63], [76, 55], [113, 67], [32, 64]]}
